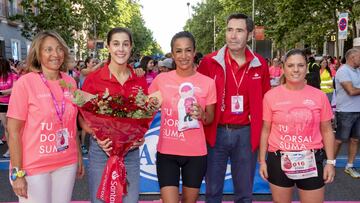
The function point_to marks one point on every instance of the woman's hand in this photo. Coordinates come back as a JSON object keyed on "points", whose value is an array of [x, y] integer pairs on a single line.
{"points": [[81, 168], [197, 112], [329, 173], [263, 171], [137, 143], [139, 72], [20, 187], [105, 145]]}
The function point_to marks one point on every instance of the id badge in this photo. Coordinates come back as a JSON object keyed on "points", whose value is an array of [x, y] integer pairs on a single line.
{"points": [[62, 139], [237, 104]]}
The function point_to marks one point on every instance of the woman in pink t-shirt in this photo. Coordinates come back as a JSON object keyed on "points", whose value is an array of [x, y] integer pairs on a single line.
{"points": [[44, 154], [188, 103], [151, 71], [7, 79], [296, 135]]}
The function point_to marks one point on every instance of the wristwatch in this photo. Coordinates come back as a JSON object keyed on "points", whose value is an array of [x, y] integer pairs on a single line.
{"points": [[16, 173], [331, 161]]}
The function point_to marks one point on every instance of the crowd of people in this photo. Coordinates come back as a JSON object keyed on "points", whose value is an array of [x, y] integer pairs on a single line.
{"points": [[226, 105]]}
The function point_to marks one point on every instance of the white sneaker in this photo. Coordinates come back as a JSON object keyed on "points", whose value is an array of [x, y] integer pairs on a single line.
{"points": [[1, 142], [7, 154], [352, 172]]}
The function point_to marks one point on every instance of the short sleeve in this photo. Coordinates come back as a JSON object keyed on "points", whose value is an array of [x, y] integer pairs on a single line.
{"points": [[87, 84], [267, 113], [154, 84], [342, 75], [14, 76], [326, 110], [19, 101], [211, 98]]}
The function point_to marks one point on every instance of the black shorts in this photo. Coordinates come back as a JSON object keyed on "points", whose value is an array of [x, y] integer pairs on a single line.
{"points": [[278, 177], [168, 167], [3, 108]]}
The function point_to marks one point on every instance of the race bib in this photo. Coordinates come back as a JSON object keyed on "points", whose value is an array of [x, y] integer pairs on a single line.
{"points": [[62, 139], [237, 104], [299, 165]]}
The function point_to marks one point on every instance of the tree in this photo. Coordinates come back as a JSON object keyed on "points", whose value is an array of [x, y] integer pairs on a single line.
{"points": [[93, 17], [288, 23], [64, 17], [202, 25], [130, 17]]}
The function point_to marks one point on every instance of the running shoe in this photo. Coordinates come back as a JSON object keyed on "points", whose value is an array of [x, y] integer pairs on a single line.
{"points": [[7, 154], [352, 172]]}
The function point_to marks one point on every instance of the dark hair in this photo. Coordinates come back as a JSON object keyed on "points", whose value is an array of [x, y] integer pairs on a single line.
{"points": [[311, 59], [87, 60], [249, 22], [198, 57], [294, 52], [119, 30], [5, 68], [144, 61], [183, 34], [327, 68]]}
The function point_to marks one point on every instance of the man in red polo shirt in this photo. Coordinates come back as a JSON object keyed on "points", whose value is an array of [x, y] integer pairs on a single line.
{"points": [[242, 78]]}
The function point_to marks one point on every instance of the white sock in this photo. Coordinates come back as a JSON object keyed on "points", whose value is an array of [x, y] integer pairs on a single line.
{"points": [[348, 165]]}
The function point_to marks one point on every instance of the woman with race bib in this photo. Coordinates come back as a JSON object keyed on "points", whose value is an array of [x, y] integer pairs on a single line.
{"points": [[297, 136]]}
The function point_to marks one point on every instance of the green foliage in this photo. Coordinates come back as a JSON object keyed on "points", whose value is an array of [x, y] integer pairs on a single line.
{"points": [[94, 17], [287, 22], [64, 17], [202, 25]]}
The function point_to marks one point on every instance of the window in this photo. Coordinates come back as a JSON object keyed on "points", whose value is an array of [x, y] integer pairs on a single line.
{"points": [[15, 49], [28, 44]]}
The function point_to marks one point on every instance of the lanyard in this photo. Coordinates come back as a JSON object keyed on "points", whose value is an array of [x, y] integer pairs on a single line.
{"points": [[233, 74], [59, 113]]}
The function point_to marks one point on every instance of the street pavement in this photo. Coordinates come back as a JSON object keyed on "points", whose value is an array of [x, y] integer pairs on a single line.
{"points": [[344, 187]]}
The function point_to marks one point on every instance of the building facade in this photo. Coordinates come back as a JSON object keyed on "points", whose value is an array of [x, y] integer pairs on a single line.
{"points": [[12, 44]]}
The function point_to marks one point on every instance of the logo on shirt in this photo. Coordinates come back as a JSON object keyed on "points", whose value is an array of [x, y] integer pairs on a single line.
{"points": [[309, 102], [256, 76]]}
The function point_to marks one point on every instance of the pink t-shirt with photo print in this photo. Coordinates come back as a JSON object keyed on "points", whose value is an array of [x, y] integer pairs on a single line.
{"points": [[171, 141]]}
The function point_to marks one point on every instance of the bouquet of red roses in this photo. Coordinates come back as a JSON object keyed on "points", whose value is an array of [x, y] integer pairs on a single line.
{"points": [[122, 119]]}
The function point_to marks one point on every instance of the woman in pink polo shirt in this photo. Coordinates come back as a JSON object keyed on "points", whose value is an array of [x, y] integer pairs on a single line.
{"points": [[297, 136], [188, 103], [42, 126]]}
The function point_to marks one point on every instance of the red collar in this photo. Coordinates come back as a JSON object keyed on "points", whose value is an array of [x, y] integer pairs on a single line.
{"points": [[233, 64], [105, 74]]}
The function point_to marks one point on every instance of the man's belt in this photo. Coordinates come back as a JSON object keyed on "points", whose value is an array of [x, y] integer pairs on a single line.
{"points": [[232, 126]]}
